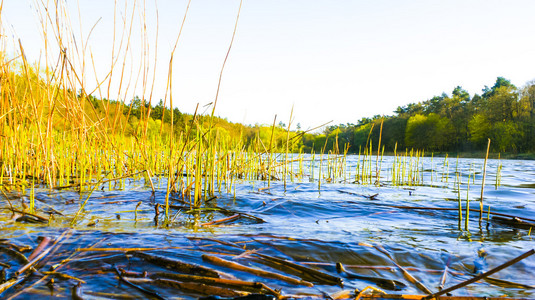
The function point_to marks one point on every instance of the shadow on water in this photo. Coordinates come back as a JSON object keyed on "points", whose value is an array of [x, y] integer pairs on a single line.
{"points": [[122, 249]]}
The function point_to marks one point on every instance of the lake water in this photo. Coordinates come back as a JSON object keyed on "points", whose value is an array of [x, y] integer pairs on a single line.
{"points": [[342, 220]]}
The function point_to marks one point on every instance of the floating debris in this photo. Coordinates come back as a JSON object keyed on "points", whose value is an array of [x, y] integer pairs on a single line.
{"points": [[176, 264], [235, 266], [388, 284]]}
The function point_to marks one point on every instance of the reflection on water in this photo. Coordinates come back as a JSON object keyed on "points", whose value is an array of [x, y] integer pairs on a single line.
{"points": [[314, 225]]}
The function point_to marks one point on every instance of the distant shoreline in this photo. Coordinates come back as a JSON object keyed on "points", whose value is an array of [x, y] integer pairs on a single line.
{"points": [[477, 154]]}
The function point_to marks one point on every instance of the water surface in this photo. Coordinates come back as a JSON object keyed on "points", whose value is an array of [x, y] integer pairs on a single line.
{"points": [[342, 220]]}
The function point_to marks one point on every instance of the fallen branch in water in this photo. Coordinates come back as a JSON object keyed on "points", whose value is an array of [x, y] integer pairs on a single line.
{"points": [[239, 267], [384, 283], [224, 220], [23, 248], [188, 287], [128, 249], [302, 271], [513, 221], [143, 290], [218, 208], [37, 255], [387, 268], [444, 275], [435, 208], [36, 218], [11, 282], [247, 286], [19, 275], [371, 197], [242, 214], [42, 245], [234, 245], [63, 276], [176, 264], [200, 288], [406, 273], [508, 284], [14, 254], [481, 276], [447, 208], [51, 251]]}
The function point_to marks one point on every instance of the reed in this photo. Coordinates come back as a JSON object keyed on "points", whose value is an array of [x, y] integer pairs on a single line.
{"points": [[459, 204], [498, 173], [57, 131], [445, 169], [58, 138], [467, 218], [407, 168], [377, 167], [287, 150], [483, 184]]}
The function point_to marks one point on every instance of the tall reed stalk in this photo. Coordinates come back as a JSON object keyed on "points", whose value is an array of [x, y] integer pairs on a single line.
{"points": [[483, 183], [467, 214]]}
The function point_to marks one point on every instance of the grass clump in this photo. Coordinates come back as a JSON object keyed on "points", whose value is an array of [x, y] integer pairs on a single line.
{"points": [[58, 132]]}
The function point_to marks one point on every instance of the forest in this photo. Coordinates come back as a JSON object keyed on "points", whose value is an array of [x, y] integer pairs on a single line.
{"points": [[447, 123]]}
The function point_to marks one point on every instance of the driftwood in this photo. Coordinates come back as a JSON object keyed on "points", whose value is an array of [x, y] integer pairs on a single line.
{"points": [[248, 286], [227, 211], [456, 209], [406, 273], [42, 245], [14, 254], [63, 276], [239, 267], [180, 280], [302, 271], [223, 220], [143, 290], [481, 276], [512, 218], [514, 222], [508, 284], [388, 284], [21, 274], [199, 288], [233, 245], [23, 248], [40, 257], [176, 264]]}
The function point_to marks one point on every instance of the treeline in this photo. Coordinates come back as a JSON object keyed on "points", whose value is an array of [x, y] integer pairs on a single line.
{"points": [[133, 121], [66, 110], [446, 123]]}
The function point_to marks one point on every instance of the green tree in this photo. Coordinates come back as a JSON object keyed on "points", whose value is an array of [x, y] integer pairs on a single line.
{"points": [[526, 116], [505, 136], [502, 105], [500, 82], [479, 128], [430, 132]]}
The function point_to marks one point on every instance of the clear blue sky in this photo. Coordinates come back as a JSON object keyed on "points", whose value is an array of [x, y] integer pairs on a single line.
{"points": [[333, 60]]}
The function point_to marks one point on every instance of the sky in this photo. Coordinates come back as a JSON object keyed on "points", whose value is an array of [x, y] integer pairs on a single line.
{"points": [[338, 60]]}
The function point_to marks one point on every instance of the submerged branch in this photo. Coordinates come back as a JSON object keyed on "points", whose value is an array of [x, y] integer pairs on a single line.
{"points": [[481, 276]]}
